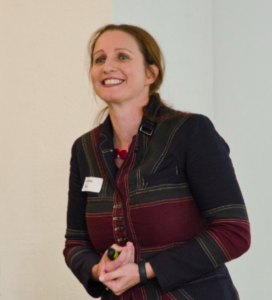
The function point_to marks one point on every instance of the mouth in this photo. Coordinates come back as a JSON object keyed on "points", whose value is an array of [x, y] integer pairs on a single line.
{"points": [[112, 82]]}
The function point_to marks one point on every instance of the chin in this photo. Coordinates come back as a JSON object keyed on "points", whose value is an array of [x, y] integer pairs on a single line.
{"points": [[111, 97]]}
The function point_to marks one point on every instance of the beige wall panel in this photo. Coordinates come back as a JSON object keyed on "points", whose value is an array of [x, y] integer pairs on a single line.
{"points": [[46, 103]]}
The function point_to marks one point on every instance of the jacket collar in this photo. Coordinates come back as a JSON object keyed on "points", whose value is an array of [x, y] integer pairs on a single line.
{"points": [[105, 143], [146, 126]]}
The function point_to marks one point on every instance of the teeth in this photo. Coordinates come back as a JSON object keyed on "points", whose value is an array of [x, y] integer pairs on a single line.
{"points": [[112, 81]]}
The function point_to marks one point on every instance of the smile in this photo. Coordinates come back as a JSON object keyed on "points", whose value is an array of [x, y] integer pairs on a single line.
{"points": [[111, 82]]}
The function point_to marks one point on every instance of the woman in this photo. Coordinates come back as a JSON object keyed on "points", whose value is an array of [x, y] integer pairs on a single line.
{"points": [[153, 183]]}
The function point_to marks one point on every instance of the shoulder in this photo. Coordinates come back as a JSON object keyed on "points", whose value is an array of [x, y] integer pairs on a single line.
{"points": [[198, 123], [201, 127], [195, 131], [190, 121], [194, 120], [203, 138], [173, 113]]}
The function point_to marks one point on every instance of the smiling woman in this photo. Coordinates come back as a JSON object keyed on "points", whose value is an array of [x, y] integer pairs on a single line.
{"points": [[168, 200], [149, 49], [118, 71]]}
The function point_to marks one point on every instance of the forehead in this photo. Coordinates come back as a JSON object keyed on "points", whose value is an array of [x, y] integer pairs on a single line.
{"points": [[116, 39]]}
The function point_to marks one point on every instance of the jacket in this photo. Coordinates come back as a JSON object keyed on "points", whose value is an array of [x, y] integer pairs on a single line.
{"points": [[176, 197]]}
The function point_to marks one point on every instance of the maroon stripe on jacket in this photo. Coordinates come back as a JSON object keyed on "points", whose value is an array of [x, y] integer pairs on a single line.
{"points": [[232, 236], [71, 245], [156, 232], [168, 296], [100, 230]]}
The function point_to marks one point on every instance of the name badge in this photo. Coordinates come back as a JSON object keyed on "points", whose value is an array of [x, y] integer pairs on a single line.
{"points": [[92, 184]]}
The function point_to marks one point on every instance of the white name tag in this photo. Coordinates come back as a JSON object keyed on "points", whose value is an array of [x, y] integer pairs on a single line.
{"points": [[92, 184]]}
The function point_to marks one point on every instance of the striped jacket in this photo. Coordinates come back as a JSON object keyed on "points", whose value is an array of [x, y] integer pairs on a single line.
{"points": [[175, 197]]}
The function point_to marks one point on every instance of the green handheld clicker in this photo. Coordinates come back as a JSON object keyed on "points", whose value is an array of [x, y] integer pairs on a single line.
{"points": [[112, 254]]}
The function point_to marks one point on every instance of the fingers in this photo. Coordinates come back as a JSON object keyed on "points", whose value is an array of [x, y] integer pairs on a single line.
{"points": [[116, 247], [101, 268], [129, 244], [121, 273], [119, 261], [113, 285], [110, 276], [121, 279], [130, 247], [131, 251], [127, 255]]}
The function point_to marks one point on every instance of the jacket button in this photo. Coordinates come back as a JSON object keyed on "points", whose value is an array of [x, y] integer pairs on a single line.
{"points": [[119, 205], [120, 218], [122, 227], [125, 239]]}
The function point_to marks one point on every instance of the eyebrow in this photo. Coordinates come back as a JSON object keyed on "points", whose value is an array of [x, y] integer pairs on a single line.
{"points": [[116, 49]]}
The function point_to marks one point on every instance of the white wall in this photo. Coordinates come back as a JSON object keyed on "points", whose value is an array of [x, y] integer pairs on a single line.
{"points": [[45, 105], [243, 106]]}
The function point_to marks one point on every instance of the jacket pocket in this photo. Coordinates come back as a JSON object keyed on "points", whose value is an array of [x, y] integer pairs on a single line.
{"points": [[163, 177]]}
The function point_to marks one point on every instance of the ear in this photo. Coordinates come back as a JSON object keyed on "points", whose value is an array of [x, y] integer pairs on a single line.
{"points": [[152, 74]]}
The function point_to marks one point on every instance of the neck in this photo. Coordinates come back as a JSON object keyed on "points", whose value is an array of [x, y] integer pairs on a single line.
{"points": [[126, 119]]}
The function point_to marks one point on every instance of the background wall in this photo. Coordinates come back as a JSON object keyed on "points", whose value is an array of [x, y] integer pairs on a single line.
{"points": [[242, 35], [46, 103], [218, 63]]}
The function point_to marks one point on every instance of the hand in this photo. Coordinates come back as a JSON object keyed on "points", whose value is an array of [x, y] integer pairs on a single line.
{"points": [[126, 256], [121, 279]]}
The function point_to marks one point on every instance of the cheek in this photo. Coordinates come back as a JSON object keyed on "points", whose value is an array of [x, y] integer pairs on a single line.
{"points": [[94, 75], [138, 74]]}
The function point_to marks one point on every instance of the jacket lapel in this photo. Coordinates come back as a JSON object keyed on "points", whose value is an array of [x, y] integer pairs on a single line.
{"points": [[105, 144], [106, 149]]}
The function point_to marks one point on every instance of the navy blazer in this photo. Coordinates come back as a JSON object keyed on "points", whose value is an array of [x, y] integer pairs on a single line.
{"points": [[175, 197]]}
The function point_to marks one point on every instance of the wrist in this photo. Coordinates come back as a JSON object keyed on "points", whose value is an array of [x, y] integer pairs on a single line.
{"points": [[149, 271], [94, 272]]}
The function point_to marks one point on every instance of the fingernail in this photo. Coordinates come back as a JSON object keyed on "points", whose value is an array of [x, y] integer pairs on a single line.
{"points": [[101, 278]]}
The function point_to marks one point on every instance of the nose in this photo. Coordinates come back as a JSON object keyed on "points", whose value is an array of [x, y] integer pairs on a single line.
{"points": [[109, 66]]}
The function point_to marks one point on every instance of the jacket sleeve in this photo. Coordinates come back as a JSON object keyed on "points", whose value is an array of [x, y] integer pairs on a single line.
{"points": [[79, 253], [214, 186]]}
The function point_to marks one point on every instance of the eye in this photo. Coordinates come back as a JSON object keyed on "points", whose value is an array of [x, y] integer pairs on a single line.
{"points": [[99, 60], [123, 57]]}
